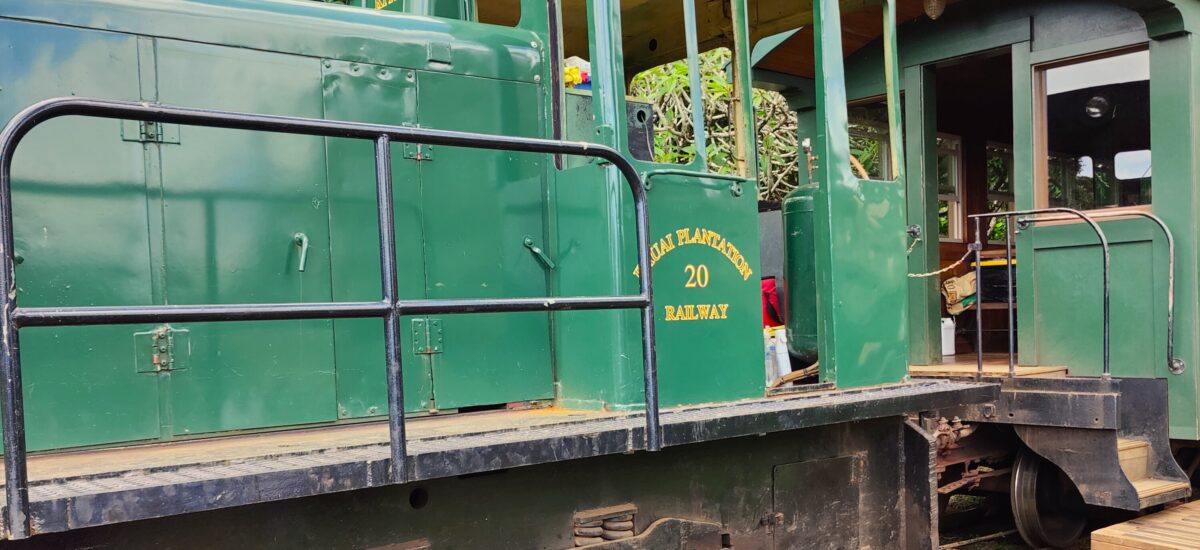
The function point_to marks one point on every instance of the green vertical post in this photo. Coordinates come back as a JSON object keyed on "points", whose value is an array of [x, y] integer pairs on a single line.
{"points": [[696, 87], [1023, 158], [924, 302], [745, 86], [891, 69], [1175, 133], [862, 287]]}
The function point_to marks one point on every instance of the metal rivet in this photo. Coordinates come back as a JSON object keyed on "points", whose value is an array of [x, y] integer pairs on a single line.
{"points": [[533, 44], [537, 78], [328, 64]]}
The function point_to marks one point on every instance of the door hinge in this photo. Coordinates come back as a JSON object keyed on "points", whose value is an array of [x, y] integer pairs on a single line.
{"points": [[162, 349], [427, 336], [149, 132], [416, 151]]}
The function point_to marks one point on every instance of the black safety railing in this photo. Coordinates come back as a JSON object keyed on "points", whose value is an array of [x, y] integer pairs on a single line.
{"points": [[390, 308], [1029, 217]]}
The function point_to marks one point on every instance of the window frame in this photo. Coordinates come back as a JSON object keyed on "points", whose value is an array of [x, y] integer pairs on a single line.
{"points": [[954, 210], [1040, 128]]}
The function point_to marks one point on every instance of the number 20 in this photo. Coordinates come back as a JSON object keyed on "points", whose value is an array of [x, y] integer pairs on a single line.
{"points": [[697, 276]]}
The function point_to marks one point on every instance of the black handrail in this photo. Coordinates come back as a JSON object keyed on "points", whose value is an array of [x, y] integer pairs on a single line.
{"points": [[977, 247], [390, 308]]}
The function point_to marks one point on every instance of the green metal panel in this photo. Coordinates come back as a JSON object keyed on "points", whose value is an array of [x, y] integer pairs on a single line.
{"points": [[81, 220], [382, 95], [859, 228], [479, 208], [708, 317], [315, 29], [234, 201]]}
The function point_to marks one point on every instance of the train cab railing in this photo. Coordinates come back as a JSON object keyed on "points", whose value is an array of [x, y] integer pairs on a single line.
{"points": [[1028, 218], [390, 308]]}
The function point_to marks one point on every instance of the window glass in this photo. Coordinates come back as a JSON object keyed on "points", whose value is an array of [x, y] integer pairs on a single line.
{"points": [[1097, 132], [999, 187], [869, 139]]}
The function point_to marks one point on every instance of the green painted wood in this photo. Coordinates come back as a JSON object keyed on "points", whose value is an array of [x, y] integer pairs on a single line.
{"points": [[233, 201], [924, 300], [1067, 310], [78, 191], [1023, 193], [479, 206], [382, 95], [1175, 134]]}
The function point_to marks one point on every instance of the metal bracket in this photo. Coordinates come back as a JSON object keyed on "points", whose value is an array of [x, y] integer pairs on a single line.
{"points": [[427, 336], [1177, 365], [162, 349], [539, 253], [416, 151], [149, 132]]}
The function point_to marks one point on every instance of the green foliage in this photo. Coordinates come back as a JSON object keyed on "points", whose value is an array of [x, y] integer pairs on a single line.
{"points": [[667, 87]]}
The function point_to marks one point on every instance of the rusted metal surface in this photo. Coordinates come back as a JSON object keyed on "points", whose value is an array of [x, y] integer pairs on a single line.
{"points": [[468, 445], [669, 534]]}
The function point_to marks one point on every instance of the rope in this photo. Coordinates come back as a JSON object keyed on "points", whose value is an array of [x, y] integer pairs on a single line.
{"points": [[942, 270], [912, 246]]}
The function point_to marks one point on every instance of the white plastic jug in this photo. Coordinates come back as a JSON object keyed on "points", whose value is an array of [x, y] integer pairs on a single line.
{"points": [[947, 336]]}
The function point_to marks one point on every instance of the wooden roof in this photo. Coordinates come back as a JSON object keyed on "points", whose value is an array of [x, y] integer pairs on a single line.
{"points": [[653, 29]]}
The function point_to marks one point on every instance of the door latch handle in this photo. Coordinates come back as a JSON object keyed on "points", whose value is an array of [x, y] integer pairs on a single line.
{"points": [[301, 240], [538, 253]]}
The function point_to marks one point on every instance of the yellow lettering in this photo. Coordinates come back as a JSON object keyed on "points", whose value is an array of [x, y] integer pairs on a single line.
{"points": [[703, 309], [671, 313], [698, 235], [724, 308]]}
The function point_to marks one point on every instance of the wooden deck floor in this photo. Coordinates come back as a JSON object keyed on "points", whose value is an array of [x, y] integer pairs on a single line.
{"points": [[1175, 528], [994, 364]]}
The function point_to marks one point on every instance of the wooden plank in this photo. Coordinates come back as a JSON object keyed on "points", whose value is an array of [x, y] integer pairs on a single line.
{"points": [[994, 364], [1176, 528]]}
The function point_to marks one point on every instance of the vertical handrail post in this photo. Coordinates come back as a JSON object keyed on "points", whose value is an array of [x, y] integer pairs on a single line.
{"points": [[649, 359], [695, 84], [16, 477], [978, 247], [1091, 222], [1107, 300], [391, 326], [1008, 255]]}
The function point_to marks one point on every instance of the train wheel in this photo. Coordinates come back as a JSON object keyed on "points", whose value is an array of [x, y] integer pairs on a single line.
{"points": [[1046, 506]]}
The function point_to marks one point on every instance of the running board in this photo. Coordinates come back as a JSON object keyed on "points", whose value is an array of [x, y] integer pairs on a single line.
{"points": [[1128, 466]]}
